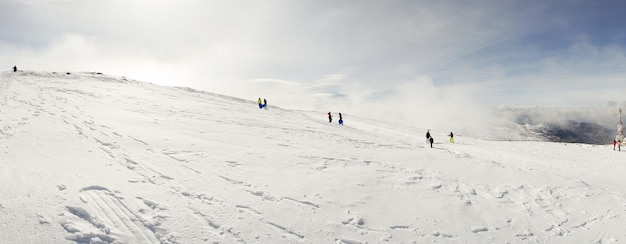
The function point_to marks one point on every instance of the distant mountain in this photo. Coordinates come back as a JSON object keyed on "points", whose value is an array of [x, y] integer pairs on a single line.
{"points": [[577, 132], [558, 124]]}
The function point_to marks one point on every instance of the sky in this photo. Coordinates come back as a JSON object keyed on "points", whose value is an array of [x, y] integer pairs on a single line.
{"points": [[414, 62]]}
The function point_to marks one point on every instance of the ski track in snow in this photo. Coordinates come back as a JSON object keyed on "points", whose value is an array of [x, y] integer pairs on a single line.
{"points": [[131, 162], [108, 219]]}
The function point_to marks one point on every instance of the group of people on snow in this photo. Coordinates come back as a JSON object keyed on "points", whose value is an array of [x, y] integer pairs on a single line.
{"points": [[431, 140], [330, 118], [262, 103], [618, 143]]}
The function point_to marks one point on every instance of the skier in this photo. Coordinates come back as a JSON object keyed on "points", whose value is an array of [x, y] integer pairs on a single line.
{"points": [[614, 143], [340, 119], [260, 104], [427, 136], [264, 103], [14, 68], [451, 137], [330, 118], [431, 142], [619, 145]]}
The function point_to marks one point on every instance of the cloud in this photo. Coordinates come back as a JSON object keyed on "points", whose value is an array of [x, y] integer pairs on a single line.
{"points": [[579, 74]]}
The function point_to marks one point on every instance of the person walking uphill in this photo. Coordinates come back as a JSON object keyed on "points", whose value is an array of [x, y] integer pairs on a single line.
{"points": [[340, 119], [451, 137], [427, 136], [264, 104], [14, 68], [431, 140], [330, 118], [260, 104]]}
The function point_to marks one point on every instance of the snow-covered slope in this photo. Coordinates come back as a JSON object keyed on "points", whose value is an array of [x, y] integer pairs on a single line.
{"points": [[91, 158]]}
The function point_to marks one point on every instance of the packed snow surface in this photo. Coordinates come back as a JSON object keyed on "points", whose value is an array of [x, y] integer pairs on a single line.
{"points": [[90, 158]]}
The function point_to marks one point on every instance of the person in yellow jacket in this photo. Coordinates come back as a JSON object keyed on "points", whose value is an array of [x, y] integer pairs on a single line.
{"points": [[260, 103]]}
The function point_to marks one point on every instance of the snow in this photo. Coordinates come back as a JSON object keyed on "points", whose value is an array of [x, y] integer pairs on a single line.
{"points": [[91, 158]]}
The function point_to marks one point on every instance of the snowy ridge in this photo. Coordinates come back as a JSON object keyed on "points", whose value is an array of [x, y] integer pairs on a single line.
{"points": [[91, 158]]}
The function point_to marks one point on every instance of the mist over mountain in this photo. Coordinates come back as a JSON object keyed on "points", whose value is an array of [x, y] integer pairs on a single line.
{"points": [[577, 132], [589, 125]]}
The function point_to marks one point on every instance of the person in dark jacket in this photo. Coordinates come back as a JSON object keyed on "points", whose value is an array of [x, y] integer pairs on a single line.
{"points": [[14, 68], [264, 104], [340, 119], [427, 136], [451, 137], [330, 118], [431, 142]]}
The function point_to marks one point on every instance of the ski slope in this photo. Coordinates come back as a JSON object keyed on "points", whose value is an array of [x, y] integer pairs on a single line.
{"points": [[91, 158]]}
